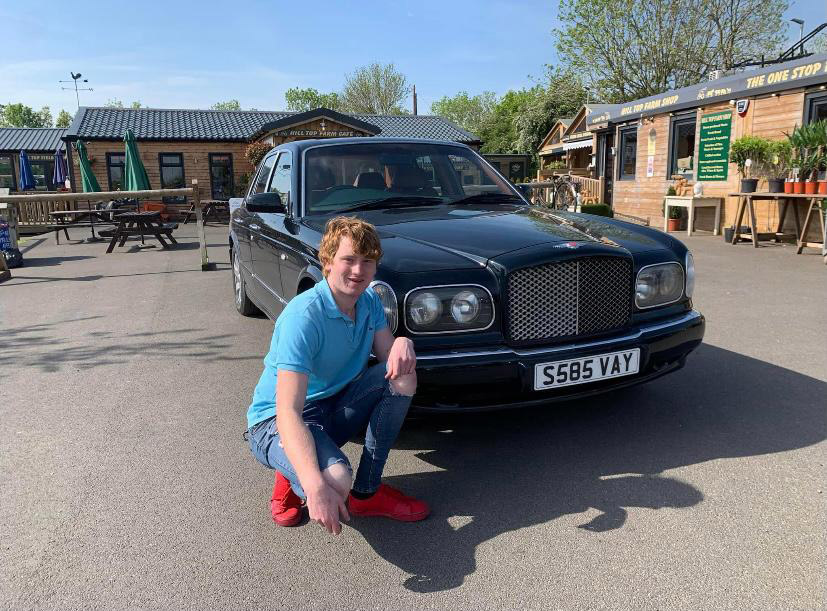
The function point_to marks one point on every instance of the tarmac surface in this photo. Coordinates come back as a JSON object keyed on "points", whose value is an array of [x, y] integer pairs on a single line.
{"points": [[125, 482]]}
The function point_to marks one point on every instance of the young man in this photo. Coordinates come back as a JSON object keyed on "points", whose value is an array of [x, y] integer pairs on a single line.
{"points": [[316, 391]]}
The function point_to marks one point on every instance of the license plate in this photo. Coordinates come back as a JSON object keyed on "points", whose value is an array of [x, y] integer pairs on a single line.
{"points": [[587, 369]]}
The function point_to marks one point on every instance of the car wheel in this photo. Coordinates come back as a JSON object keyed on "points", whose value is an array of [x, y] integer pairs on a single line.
{"points": [[242, 302]]}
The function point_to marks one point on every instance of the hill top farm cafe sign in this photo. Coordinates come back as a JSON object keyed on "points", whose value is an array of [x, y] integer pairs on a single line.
{"points": [[713, 146]]}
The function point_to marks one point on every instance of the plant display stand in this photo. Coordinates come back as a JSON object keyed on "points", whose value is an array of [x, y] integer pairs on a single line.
{"points": [[691, 202]]}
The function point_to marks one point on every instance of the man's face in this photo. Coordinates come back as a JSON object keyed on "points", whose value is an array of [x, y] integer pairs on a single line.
{"points": [[349, 273]]}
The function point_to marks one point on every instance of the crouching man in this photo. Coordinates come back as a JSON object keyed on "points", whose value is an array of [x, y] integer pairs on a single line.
{"points": [[317, 391]]}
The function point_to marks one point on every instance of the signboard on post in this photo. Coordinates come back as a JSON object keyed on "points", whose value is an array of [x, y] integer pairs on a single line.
{"points": [[713, 146]]}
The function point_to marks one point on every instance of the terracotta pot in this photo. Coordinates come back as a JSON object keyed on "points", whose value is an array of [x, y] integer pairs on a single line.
{"points": [[810, 187], [822, 187], [788, 186], [673, 224], [798, 187]]}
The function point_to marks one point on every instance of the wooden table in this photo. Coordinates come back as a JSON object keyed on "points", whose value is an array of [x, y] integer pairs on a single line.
{"points": [[212, 207], [691, 202], [68, 218], [142, 224], [786, 199]]}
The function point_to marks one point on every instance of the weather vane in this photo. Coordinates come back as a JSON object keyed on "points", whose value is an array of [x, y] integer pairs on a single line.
{"points": [[75, 78]]}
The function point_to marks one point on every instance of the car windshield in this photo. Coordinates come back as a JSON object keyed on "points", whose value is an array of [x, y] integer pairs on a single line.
{"points": [[388, 174]]}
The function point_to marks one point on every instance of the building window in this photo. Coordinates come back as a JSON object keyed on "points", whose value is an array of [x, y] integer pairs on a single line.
{"points": [[628, 153], [682, 146], [114, 170], [221, 175], [43, 167], [815, 107], [7, 173], [172, 175]]}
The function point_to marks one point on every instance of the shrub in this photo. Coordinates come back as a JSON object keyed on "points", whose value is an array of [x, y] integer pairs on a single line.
{"points": [[598, 209], [256, 151], [753, 148]]}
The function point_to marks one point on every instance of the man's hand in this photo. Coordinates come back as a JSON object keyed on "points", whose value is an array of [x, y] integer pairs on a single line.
{"points": [[327, 507], [401, 358]]}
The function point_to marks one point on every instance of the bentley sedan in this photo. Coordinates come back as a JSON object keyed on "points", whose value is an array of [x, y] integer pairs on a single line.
{"points": [[507, 304]]}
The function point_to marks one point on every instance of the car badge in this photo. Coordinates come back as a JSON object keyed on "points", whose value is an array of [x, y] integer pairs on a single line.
{"points": [[571, 245]]}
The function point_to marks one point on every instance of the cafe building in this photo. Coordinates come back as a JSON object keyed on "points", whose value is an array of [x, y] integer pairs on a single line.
{"points": [[640, 147], [569, 146], [40, 145], [177, 146]]}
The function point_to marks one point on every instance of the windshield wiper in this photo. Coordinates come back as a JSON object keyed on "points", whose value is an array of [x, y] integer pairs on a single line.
{"points": [[490, 198], [399, 201]]}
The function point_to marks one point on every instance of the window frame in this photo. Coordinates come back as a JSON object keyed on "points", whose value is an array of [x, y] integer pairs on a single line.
{"points": [[272, 178], [813, 100], [11, 158], [622, 134], [672, 162], [210, 157], [110, 165], [172, 199], [259, 170]]}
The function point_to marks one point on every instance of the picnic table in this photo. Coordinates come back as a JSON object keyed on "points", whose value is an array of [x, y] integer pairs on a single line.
{"points": [[212, 208], [142, 224], [75, 218]]}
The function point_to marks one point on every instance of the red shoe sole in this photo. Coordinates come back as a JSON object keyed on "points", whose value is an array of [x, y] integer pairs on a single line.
{"points": [[416, 517], [291, 520]]}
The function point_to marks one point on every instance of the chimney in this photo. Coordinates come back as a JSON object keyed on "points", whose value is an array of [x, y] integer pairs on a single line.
{"points": [[414, 99]]}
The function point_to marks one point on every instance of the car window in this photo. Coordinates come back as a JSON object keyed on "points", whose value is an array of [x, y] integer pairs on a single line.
{"points": [[340, 176], [280, 180], [263, 174]]}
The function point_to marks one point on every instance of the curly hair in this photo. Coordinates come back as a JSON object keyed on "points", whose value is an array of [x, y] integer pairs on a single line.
{"points": [[362, 235]]}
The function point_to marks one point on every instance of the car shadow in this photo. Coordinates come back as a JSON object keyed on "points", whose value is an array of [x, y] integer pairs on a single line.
{"points": [[498, 472]]}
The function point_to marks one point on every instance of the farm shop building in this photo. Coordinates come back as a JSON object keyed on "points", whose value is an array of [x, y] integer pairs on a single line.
{"points": [[641, 145], [177, 146]]}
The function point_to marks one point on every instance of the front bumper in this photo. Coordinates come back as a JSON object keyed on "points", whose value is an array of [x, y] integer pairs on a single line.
{"points": [[501, 377]]}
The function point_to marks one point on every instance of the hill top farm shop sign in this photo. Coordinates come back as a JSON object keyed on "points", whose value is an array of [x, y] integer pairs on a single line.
{"points": [[713, 146]]}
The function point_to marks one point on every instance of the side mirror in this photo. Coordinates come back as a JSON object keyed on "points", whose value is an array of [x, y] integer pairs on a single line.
{"points": [[265, 202]]}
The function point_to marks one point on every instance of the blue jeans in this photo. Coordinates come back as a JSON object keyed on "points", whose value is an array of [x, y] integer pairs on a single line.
{"points": [[368, 401]]}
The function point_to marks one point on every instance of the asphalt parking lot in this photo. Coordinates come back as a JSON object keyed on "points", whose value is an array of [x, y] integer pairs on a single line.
{"points": [[124, 480]]}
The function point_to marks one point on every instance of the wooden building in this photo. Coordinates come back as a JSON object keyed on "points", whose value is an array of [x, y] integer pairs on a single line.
{"points": [[40, 145], [641, 145]]}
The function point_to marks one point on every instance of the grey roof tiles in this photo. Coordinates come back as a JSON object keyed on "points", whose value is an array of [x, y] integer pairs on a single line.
{"points": [[45, 139]]}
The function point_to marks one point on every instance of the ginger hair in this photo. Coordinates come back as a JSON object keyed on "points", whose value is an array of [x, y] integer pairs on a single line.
{"points": [[362, 235]]}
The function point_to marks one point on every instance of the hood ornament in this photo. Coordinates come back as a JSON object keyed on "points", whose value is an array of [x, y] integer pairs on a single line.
{"points": [[571, 245]]}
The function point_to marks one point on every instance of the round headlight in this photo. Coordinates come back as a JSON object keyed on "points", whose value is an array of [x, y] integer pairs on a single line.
{"points": [[425, 308], [389, 303], [465, 306], [690, 274]]}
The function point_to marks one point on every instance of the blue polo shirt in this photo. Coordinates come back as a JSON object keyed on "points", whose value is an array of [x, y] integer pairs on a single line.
{"points": [[313, 337]]}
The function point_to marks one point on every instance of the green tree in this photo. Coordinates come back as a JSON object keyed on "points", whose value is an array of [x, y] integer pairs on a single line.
{"points": [[469, 112], [116, 103], [64, 119], [499, 132], [629, 49], [20, 115], [300, 100], [375, 89], [228, 105]]}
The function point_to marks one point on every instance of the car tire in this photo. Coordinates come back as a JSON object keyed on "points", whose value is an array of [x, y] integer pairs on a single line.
{"points": [[243, 304]]}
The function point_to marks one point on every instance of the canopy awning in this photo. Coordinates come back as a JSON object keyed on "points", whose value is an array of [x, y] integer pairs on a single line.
{"points": [[578, 144]]}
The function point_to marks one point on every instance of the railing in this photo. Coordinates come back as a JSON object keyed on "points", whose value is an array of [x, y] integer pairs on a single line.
{"points": [[35, 214], [591, 189]]}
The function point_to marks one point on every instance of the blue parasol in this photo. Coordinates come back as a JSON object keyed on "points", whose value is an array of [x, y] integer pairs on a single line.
{"points": [[59, 174], [26, 177]]}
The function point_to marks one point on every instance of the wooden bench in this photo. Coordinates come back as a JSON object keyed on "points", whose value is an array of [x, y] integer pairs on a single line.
{"points": [[141, 224]]}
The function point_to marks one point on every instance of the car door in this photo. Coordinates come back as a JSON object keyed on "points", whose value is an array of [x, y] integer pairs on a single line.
{"points": [[267, 258], [261, 294], [240, 227]]}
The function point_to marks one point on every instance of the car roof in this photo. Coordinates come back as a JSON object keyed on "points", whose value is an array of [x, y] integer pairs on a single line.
{"points": [[302, 145]]}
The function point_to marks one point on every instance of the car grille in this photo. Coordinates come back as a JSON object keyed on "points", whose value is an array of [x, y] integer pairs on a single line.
{"points": [[576, 297]]}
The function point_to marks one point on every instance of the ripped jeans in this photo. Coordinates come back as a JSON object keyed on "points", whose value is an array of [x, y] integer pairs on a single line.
{"points": [[368, 401]]}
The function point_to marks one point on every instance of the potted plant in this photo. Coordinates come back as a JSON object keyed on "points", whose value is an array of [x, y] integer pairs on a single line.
{"points": [[749, 152], [804, 140], [675, 220], [820, 163], [778, 168]]}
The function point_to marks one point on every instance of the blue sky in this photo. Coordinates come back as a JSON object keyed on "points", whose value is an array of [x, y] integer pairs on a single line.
{"points": [[192, 54]]}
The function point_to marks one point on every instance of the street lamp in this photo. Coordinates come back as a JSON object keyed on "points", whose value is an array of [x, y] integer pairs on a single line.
{"points": [[800, 23]]}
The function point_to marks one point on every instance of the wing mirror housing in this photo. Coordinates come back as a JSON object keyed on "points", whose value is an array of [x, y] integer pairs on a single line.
{"points": [[265, 202]]}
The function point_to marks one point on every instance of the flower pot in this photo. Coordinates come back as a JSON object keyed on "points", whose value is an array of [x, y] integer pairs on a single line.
{"points": [[775, 185], [798, 187], [673, 224], [749, 185], [788, 186], [822, 187], [810, 187]]}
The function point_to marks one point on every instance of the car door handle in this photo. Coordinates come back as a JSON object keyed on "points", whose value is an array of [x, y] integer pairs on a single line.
{"points": [[283, 257], [254, 226]]}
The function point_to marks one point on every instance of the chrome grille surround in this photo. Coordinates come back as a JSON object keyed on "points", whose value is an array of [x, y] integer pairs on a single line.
{"points": [[574, 297]]}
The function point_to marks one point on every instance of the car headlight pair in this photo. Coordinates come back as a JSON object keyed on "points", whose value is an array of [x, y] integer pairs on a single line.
{"points": [[664, 283], [438, 309]]}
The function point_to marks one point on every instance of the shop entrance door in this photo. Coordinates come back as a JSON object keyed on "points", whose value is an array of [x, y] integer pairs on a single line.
{"points": [[605, 163]]}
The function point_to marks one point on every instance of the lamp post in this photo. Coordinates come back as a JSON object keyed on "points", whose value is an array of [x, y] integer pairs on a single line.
{"points": [[800, 23]]}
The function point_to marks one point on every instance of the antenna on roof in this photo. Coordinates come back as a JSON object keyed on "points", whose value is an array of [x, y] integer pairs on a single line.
{"points": [[75, 78], [414, 99]]}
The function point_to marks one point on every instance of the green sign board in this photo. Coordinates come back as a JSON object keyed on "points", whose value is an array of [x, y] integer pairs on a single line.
{"points": [[713, 147]]}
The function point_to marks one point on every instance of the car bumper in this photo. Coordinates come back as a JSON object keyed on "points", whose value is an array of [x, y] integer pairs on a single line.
{"points": [[501, 377]]}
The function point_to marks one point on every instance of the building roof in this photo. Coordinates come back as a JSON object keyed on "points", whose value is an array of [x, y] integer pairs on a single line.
{"points": [[318, 113], [94, 123], [31, 139]]}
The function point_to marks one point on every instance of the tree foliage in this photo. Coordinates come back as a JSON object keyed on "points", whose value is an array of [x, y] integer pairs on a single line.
{"points": [[116, 103], [256, 151], [228, 105], [375, 89], [629, 49], [20, 115], [469, 112], [499, 132], [64, 119], [301, 100]]}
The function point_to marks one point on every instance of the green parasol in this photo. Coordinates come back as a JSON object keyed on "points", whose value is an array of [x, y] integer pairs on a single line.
{"points": [[90, 183], [135, 178]]}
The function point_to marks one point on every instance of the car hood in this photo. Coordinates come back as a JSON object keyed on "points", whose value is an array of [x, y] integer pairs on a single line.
{"points": [[457, 237]]}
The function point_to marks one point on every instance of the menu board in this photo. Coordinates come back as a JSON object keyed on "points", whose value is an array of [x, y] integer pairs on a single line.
{"points": [[713, 146]]}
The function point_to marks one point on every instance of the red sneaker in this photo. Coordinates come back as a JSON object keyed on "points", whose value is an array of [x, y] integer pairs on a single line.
{"points": [[285, 505], [389, 503]]}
